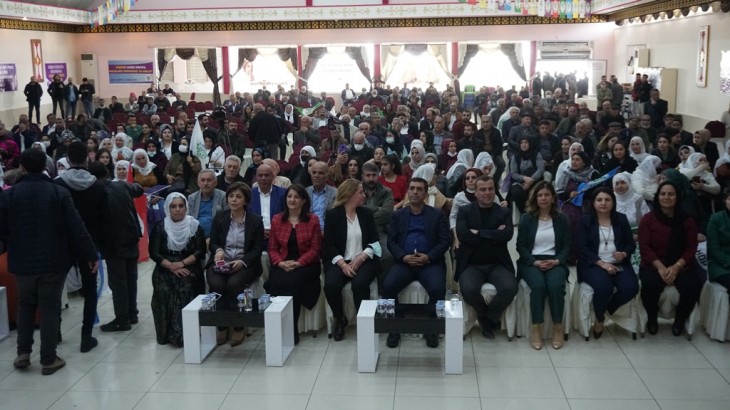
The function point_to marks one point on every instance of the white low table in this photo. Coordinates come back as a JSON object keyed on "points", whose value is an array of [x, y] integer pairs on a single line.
{"points": [[278, 323], [4, 319], [368, 340]]}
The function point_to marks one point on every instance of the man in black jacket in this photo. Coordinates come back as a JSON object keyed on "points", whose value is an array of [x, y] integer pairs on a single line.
{"points": [[264, 130], [485, 225], [89, 198], [44, 235], [120, 247], [33, 93], [57, 91]]}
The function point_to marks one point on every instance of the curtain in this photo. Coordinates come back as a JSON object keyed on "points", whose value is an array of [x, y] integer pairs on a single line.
{"points": [[438, 51], [244, 54], [313, 56], [514, 53], [289, 57], [388, 57], [211, 69], [356, 53], [416, 49], [161, 63], [470, 51], [185, 53]]}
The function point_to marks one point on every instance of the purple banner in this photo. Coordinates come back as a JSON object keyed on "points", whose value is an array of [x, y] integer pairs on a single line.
{"points": [[8, 77], [53, 69], [130, 72]]}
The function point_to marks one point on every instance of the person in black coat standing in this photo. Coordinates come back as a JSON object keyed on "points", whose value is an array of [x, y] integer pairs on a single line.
{"points": [[44, 235], [33, 92], [89, 197], [264, 130], [57, 91], [120, 246]]}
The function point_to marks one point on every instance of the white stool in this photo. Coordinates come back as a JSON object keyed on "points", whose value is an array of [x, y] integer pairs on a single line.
{"points": [[308, 319], [627, 316], [715, 310], [509, 316], [414, 293], [348, 305], [524, 317], [4, 319], [668, 301]]}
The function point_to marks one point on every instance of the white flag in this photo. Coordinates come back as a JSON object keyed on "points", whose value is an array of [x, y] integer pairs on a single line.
{"points": [[197, 144]]}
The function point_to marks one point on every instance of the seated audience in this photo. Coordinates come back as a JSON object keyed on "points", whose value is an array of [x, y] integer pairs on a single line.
{"points": [[207, 201]]}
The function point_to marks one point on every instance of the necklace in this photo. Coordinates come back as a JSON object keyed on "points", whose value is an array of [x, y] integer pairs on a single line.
{"points": [[605, 238]]}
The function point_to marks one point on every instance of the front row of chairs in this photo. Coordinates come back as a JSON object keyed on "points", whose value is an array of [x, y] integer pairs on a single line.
{"points": [[714, 315]]}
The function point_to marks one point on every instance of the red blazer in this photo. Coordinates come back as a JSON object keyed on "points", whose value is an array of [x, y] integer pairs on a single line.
{"points": [[309, 240]]}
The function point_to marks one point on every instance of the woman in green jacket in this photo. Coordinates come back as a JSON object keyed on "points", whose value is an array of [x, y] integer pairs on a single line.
{"points": [[718, 245], [543, 242]]}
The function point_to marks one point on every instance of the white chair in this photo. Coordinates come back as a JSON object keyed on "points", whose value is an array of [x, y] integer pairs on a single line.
{"points": [[627, 316], [524, 317], [309, 320], [348, 305], [715, 310], [509, 316], [668, 301]]}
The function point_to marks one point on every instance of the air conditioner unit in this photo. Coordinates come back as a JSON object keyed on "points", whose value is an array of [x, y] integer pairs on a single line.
{"points": [[89, 68], [565, 50]]}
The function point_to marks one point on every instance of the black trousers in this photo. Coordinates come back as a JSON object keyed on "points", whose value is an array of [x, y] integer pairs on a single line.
{"points": [[230, 285], [58, 103], [471, 281], [88, 291], [335, 280], [37, 106], [432, 277], [688, 285], [40, 292], [123, 283]]}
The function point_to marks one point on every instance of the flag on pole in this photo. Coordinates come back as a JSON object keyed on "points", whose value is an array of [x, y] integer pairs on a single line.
{"points": [[308, 111], [197, 144], [140, 205]]}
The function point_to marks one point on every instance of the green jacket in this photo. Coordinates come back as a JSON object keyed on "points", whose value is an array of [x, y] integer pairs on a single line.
{"points": [[718, 245], [526, 239]]}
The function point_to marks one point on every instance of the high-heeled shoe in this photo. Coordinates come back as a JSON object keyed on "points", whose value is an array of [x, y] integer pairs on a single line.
{"points": [[597, 333], [339, 332], [558, 336], [536, 336]]}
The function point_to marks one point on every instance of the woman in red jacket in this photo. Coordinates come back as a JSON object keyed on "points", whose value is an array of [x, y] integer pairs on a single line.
{"points": [[295, 242]]}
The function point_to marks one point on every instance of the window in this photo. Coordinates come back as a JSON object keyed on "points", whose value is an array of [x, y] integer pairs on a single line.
{"points": [[418, 71], [267, 69], [335, 69], [491, 68]]}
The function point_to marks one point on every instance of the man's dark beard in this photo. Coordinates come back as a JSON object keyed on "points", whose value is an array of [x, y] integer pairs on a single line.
{"points": [[371, 185]]}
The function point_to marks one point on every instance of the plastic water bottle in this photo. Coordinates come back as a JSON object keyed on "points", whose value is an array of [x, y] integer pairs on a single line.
{"points": [[241, 302], [440, 308], [248, 299]]}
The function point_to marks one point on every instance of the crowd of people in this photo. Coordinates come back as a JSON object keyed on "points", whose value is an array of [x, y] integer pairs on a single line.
{"points": [[386, 188]]}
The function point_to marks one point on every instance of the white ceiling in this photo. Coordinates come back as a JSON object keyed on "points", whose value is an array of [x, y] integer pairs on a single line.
{"points": [[71, 4]]}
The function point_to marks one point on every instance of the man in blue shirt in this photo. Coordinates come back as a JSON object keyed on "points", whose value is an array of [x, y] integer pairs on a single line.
{"points": [[203, 204], [321, 195], [418, 237]]}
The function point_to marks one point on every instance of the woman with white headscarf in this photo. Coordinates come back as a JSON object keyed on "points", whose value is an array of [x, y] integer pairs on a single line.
{"points": [[637, 149], [107, 144], [561, 178], [722, 166], [120, 150], [178, 248], [62, 166], [50, 166], [464, 161], [644, 179], [629, 202], [145, 171], [418, 158], [435, 198], [702, 181]]}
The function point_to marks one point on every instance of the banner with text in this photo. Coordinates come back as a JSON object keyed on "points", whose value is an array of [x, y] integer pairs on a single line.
{"points": [[53, 69], [8, 77], [130, 72]]}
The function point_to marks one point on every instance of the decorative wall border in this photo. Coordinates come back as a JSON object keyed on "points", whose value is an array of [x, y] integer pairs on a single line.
{"points": [[655, 7], [335, 24], [10, 24], [43, 12]]}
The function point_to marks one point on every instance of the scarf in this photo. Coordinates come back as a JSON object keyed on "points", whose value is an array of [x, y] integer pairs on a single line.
{"points": [[626, 202], [684, 165], [648, 169], [289, 117], [147, 169], [465, 159], [724, 159], [180, 232], [310, 150], [419, 146], [123, 163], [641, 156]]}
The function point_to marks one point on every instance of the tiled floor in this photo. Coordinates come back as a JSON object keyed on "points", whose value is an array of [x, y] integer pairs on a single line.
{"points": [[130, 371]]}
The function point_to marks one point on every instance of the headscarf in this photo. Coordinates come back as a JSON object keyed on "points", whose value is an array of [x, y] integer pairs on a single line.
{"points": [[178, 233], [63, 162], [123, 163], [483, 160], [693, 161], [427, 171], [724, 158], [465, 160], [432, 155], [417, 144], [685, 164], [40, 144], [445, 147], [289, 117], [311, 152], [582, 175], [146, 170], [626, 202], [640, 156], [561, 176], [103, 141], [648, 167]]}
